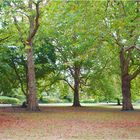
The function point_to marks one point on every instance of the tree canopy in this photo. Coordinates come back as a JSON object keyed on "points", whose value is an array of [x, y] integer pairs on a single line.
{"points": [[71, 50]]}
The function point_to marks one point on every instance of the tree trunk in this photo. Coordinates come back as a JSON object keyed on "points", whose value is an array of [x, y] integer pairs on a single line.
{"points": [[126, 80], [33, 19], [126, 92], [118, 101], [27, 91], [32, 99], [76, 102]]}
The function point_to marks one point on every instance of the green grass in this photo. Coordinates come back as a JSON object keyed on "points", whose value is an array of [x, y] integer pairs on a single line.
{"points": [[69, 123]]}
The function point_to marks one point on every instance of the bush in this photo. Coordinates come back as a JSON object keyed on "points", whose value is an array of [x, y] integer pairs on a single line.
{"points": [[66, 101], [8, 100], [88, 101], [50, 100], [66, 98], [22, 98]]}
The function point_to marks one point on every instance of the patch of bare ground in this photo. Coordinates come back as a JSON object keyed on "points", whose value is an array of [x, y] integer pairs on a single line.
{"points": [[69, 123]]}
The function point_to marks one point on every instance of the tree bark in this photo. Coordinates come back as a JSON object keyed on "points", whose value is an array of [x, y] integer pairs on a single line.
{"points": [[33, 28], [125, 80], [76, 102], [118, 101], [34, 25], [32, 99], [126, 92]]}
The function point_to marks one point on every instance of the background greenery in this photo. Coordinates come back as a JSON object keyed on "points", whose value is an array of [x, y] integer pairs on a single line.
{"points": [[70, 33]]}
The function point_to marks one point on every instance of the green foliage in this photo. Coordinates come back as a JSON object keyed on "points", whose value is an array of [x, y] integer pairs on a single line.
{"points": [[8, 100], [50, 100], [88, 101], [44, 57], [135, 89], [20, 97], [82, 34], [8, 80]]}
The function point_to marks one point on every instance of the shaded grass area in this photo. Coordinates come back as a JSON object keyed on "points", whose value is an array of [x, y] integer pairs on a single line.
{"points": [[69, 123]]}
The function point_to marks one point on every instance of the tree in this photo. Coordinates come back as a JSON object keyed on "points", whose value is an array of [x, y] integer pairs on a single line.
{"points": [[122, 21], [22, 13], [15, 45], [78, 43], [74, 36]]}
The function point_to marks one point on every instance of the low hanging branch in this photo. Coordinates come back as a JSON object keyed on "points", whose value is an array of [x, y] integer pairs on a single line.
{"points": [[18, 76], [68, 83]]}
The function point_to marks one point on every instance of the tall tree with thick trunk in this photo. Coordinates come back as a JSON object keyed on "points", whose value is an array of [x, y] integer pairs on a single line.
{"points": [[126, 78], [75, 40], [123, 28], [33, 19], [34, 24]]}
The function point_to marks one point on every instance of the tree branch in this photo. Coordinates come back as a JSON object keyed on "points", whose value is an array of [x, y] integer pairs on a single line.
{"points": [[135, 74], [138, 48], [2, 39], [71, 71], [18, 76], [67, 83], [131, 48], [19, 30], [35, 22], [123, 7], [23, 13]]}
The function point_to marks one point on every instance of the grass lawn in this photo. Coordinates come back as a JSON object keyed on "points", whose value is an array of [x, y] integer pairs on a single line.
{"points": [[68, 123]]}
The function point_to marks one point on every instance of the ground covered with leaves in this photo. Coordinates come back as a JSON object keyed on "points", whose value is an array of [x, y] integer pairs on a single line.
{"points": [[69, 123]]}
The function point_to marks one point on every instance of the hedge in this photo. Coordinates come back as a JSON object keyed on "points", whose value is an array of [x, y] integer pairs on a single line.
{"points": [[8, 100], [50, 100], [88, 101]]}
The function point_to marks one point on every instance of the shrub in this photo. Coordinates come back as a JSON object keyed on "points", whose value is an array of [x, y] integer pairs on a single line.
{"points": [[66, 98], [66, 101], [8, 100], [50, 100], [88, 101], [20, 97]]}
